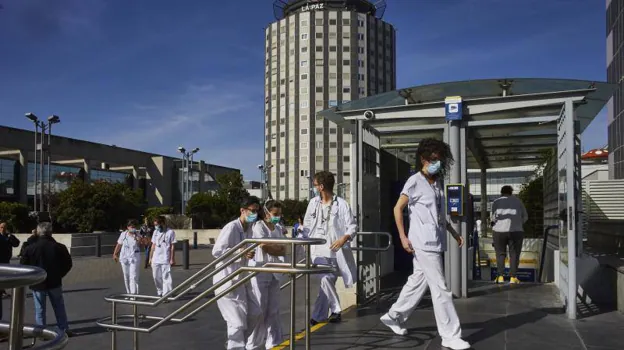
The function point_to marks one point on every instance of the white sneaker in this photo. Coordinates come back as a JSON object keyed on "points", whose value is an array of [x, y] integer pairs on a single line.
{"points": [[394, 325], [456, 344]]}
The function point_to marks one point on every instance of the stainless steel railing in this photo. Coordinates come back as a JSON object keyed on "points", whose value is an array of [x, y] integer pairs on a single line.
{"points": [[236, 253], [18, 277]]}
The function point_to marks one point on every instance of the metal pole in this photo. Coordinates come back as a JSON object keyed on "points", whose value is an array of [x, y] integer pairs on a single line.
{"points": [[135, 315], [185, 254], [293, 281], [17, 318], [378, 268], [261, 185], [455, 177], [41, 161], [49, 151], [113, 331], [307, 297], [190, 178], [464, 219], [35, 168], [182, 186]]}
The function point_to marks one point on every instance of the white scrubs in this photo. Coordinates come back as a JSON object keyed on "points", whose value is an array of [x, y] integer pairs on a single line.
{"points": [[238, 307], [427, 233], [265, 287], [161, 260], [330, 222], [130, 258]]}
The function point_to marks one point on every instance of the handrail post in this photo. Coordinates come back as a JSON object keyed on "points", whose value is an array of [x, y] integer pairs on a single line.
{"points": [[113, 331], [378, 268], [293, 294], [16, 332], [98, 246], [135, 314], [307, 297], [194, 239]]}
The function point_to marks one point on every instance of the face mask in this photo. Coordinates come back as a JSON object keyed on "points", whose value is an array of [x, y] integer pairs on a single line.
{"points": [[316, 191], [434, 167], [251, 218], [159, 228], [275, 219]]}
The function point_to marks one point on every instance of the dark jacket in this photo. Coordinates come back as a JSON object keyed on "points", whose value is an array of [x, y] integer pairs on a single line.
{"points": [[33, 238], [7, 243], [53, 257]]}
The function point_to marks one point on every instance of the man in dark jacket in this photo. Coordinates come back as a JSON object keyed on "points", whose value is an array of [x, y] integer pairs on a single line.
{"points": [[55, 259], [7, 243]]}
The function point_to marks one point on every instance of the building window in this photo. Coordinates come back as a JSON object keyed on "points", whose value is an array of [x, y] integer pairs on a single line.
{"points": [[303, 145], [319, 89], [332, 89], [282, 161], [333, 75], [346, 144], [332, 22], [319, 21], [319, 103], [304, 36], [274, 136], [346, 76], [319, 158], [319, 35], [360, 23], [360, 49], [319, 131], [282, 174], [319, 49], [273, 149], [333, 144], [304, 90], [304, 63], [304, 117], [303, 159], [346, 174], [333, 103], [346, 62], [346, 35], [282, 188], [283, 134], [346, 22], [346, 90], [346, 159], [320, 62], [304, 131], [332, 35], [304, 76], [332, 62], [346, 49], [304, 23], [332, 48], [303, 104], [319, 144], [332, 131], [304, 49]]}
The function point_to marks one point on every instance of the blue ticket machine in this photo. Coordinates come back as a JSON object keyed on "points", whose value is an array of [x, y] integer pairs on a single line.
{"points": [[455, 200]]}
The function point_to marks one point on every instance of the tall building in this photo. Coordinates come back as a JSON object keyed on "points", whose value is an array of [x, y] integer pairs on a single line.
{"points": [[319, 54], [615, 75]]}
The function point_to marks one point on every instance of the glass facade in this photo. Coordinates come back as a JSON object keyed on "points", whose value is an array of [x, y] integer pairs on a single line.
{"points": [[7, 178], [615, 72], [109, 176], [61, 177]]}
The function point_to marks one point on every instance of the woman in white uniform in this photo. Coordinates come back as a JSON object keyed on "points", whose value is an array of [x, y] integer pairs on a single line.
{"points": [[329, 217], [426, 241], [238, 307], [162, 256], [128, 253], [267, 332]]}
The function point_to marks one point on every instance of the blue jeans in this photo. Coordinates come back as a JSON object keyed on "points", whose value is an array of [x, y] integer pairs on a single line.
{"points": [[58, 305]]}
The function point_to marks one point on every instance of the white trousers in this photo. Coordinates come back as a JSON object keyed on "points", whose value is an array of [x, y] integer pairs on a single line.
{"points": [[130, 269], [428, 272], [162, 278], [238, 308], [327, 299], [266, 333]]}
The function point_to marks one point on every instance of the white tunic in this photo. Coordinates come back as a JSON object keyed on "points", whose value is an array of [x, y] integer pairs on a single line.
{"points": [[231, 235], [163, 242], [427, 219], [261, 230], [129, 246]]}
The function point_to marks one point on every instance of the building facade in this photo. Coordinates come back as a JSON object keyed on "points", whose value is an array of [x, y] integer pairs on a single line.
{"points": [[319, 54], [615, 75], [158, 176]]}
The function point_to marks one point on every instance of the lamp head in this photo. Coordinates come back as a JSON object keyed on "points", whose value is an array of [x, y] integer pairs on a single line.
{"points": [[260, 166], [53, 119], [32, 117], [181, 149], [195, 150]]}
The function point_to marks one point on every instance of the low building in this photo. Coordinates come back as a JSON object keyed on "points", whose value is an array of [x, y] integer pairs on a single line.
{"points": [[158, 176]]}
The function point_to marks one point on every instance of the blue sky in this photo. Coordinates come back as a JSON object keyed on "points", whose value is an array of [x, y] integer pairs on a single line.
{"points": [[154, 74]]}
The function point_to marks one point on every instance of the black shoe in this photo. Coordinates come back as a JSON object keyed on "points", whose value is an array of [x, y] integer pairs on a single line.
{"points": [[335, 318], [313, 322], [69, 333]]}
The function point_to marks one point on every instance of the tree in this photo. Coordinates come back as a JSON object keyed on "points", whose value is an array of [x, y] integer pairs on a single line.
{"points": [[293, 209], [231, 192], [88, 207], [207, 210], [16, 216], [154, 212], [532, 196]]}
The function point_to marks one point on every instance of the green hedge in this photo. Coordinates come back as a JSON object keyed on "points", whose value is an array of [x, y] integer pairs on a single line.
{"points": [[16, 215]]}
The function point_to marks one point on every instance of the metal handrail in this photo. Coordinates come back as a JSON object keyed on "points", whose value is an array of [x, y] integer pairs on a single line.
{"points": [[57, 341], [293, 270], [377, 250], [190, 282], [374, 249], [18, 277]]}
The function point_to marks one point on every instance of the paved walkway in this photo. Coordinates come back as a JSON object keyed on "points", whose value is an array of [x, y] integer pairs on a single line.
{"points": [[512, 318]]}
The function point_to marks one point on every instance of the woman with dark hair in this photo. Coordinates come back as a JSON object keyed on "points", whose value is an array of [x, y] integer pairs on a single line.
{"points": [[265, 287], [128, 253], [426, 241]]}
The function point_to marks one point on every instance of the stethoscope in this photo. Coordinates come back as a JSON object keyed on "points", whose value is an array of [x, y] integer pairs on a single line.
{"points": [[162, 240], [128, 246], [323, 219]]}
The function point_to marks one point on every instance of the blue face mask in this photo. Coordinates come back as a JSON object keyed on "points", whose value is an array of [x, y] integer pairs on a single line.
{"points": [[316, 191], [159, 228], [434, 167], [275, 219], [251, 218]]}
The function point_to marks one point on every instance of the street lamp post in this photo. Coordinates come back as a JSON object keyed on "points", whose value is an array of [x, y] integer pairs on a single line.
{"points": [[264, 180], [185, 178], [40, 139]]}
